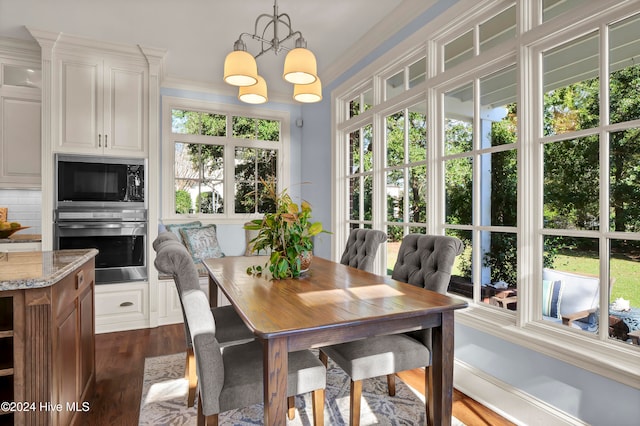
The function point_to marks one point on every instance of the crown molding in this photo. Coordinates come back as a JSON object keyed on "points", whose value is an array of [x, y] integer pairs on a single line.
{"points": [[383, 30], [23, 49]]}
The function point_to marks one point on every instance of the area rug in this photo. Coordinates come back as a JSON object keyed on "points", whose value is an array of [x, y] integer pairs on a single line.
{"points": [[164, 400]]}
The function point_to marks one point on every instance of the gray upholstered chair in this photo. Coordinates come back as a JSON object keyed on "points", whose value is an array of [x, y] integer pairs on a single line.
{"points": [[424, 261], [361, 248], [173, 258], [232, 377]]}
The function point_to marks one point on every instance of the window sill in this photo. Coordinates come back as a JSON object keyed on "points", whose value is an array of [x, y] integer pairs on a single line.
{"points": [[614, 360]]}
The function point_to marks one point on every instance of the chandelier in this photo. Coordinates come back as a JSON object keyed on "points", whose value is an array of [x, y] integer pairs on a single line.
{"points": [[240, 68]]}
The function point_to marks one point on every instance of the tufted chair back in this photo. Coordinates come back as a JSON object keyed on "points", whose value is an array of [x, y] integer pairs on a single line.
{"points": [[426, 261], [362, 247]]}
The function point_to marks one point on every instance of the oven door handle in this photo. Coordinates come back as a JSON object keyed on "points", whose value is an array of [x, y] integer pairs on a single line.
{"points": [[100, 225]]}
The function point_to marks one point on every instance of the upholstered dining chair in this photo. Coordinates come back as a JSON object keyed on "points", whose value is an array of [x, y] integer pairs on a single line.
{"points": [[232, 377], [173, 258], [424, 261], [361, 248]]}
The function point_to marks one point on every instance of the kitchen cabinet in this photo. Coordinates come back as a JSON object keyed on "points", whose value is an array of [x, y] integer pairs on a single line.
{"points": [[103, 105], [47, 336], [20, 118]]}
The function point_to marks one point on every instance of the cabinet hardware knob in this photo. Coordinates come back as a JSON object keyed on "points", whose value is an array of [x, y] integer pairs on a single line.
{"points": [[124, 304], [79, 279]]}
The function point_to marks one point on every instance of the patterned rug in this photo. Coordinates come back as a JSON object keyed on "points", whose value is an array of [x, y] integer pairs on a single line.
{"points": [[164, 400]]}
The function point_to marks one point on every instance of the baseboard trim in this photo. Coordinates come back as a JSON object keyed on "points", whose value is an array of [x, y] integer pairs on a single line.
{"points": [[508, 401]]}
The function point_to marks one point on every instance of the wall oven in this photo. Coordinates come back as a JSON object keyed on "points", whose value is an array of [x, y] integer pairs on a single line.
{"points": [[119, 235], [100, 203]]}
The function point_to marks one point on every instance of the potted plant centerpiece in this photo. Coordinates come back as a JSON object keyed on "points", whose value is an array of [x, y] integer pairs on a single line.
{"points": [[286, 233]]}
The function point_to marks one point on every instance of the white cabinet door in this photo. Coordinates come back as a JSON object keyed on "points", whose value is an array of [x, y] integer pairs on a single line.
{"points": [[19, 140], [103, 107], [125, 108], [80, 105]]}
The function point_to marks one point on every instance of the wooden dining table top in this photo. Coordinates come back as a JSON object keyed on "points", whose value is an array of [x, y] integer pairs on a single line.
{"points": [[329, 296]]}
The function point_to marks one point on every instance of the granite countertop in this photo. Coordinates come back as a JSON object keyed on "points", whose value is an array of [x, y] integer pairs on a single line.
{"points": [[22, 238], [37, 269]]}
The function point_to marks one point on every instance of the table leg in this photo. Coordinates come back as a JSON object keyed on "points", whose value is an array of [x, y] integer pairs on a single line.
{"points": [[213, 293], [440, 377], [276, 359]]}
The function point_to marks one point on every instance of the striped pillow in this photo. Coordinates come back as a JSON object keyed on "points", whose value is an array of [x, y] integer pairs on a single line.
{"points": [[551, 297]]}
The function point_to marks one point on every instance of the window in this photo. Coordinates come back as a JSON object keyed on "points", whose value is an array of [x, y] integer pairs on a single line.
{"points": [[216, 162], [530, 155]]}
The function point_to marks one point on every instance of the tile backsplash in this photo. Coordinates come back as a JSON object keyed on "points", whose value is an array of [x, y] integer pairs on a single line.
{"points": [[25, 206]]}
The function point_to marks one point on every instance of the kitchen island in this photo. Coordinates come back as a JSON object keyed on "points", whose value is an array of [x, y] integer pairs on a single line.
{"points": [[47, 336]]}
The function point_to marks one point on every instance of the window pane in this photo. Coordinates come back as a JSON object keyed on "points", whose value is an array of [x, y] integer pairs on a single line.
{"points": [[186, 122], [462, 264], [394, 238], [499, 258], [624, 78], [417, 72], [624, 190], [184, 202], [418, 133], [395, 85], [354, 152], [268, 130], [571, 179], [499, 188], [368, 197], [417, 190], [458, 134], [498, 111], [354, 198], [458, 190], [354, 107], [570, 282], [458, 50], [395, 196], [367, 148], [395, 139], [624, 266], [498, 29], [571, 86], [244, 127], [367, 99], [214, 124]]}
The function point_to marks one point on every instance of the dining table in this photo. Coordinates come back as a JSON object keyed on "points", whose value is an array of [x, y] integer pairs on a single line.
{"points": [[333, 303]]}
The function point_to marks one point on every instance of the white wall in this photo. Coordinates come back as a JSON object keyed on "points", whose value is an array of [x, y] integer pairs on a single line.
{"points": [[24, 207]]}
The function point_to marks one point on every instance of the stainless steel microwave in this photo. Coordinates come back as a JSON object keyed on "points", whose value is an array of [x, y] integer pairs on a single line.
{"points": [[87, 181]]}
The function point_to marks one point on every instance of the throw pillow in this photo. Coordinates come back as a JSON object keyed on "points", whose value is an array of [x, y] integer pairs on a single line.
{"points": [[176, 227], [202, 242], [551, 298]]}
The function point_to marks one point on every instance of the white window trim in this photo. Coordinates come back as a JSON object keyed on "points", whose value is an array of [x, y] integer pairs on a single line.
{"points": [[596, 353], [168, 156]]}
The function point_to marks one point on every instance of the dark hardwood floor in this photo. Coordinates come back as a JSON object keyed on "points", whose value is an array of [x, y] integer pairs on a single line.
{"points": [[120, 365]]}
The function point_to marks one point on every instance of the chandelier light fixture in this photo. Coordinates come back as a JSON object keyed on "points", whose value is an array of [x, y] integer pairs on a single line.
{"points": [[300, 69]]}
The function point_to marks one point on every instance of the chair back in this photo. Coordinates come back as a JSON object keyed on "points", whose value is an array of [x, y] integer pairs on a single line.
{"points": [[201, 327], [426, 261], [361, 248]]}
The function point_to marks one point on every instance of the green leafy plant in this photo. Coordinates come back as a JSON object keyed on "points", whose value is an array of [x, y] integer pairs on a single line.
{"points": [[287, 233]]}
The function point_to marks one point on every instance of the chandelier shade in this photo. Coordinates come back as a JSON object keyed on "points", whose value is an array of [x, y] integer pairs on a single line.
{"points": [[240, 69], [300, 66], [308, 93], [256, 94]]}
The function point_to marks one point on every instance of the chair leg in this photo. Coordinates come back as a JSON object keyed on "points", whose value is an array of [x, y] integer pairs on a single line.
{"points": [[317, 397], [203, 420], [356, 395], [291, 402], [391, 384], [428, 392], [324, 358], [191, 376]]}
